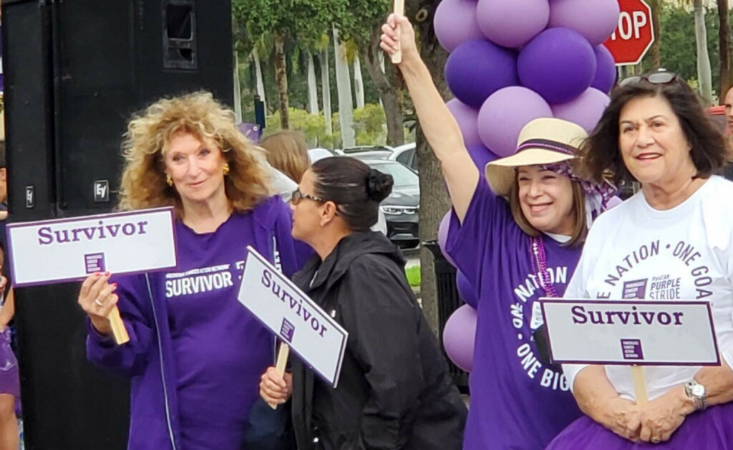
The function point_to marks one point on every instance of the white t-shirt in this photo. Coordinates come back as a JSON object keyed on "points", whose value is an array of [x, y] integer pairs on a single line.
{"points": [[685, 253]]}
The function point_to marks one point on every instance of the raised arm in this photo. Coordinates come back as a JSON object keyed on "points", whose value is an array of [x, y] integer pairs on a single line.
{"points": [[438, 124]]}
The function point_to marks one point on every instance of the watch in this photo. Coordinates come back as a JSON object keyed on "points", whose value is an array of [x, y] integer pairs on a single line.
{"points": [[696, 392]]}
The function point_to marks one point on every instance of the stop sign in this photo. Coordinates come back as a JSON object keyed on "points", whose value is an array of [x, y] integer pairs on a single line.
{"points": [[634, 34]]}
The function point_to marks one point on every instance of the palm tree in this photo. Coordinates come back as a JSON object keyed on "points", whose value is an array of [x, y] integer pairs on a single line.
{"points": [[704, 73], [656, 11], [724, 49]]}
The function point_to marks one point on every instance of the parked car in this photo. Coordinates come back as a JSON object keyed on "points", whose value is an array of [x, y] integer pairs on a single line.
{"points": [[406, 155], [402, 207]]}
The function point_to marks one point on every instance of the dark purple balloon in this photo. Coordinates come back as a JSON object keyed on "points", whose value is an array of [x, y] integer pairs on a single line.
{"points": [[481, 156], [559, 64], [478, 68], [466, 291], [605, 70]]}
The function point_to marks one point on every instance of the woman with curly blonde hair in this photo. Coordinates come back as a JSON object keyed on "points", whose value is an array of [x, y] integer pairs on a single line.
{"points": [[195, 354]]}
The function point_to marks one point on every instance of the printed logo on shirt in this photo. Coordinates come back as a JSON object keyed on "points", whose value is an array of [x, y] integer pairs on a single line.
{"points": [[198, 281], [527, 294], [660, 287]]}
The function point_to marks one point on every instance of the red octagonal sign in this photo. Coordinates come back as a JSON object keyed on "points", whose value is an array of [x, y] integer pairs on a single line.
{"points": [[634, 34]]}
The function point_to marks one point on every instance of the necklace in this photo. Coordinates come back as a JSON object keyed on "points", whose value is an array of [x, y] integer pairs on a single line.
{"points": [[540, 257]]}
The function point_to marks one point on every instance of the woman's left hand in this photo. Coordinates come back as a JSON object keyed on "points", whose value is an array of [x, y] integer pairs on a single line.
{"points": [[661, 417]]}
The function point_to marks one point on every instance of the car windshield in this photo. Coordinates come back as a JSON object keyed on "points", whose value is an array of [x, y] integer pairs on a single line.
{"points": [[403, 176]]}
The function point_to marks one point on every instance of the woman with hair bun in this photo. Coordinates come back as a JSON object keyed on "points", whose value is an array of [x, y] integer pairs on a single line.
{"points": [[394, 391]]}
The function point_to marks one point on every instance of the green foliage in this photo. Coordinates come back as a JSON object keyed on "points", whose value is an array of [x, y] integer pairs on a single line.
{"points": [[413, 276], [368, 124], [677, 49]]}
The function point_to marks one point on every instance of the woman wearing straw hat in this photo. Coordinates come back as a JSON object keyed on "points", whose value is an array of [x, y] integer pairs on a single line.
{"points": [[516, 239]]}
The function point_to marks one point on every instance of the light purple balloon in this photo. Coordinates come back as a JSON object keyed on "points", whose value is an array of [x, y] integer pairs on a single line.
{"points": [[596, 20], [459, 337], [467, 119], [477, 69], [605, 70], [443, 237], [456, 22], [466, 291], [505, 113], [512, 23], [559, 64], [585, 110], [481, 156], [613, 202]]}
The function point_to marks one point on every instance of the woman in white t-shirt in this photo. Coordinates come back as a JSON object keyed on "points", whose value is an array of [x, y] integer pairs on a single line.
{"points": [[671, 241]]}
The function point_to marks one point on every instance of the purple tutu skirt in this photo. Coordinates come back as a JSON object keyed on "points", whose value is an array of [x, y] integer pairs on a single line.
{"points": [[711, 429], [9, 380]]}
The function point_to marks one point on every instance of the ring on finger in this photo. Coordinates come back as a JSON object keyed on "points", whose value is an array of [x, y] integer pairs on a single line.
{"points": [[98, 302], [656, 440]]}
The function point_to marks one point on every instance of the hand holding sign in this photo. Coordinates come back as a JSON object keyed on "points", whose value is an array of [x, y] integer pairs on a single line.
{"points": [[98, 300], [398, 38]]}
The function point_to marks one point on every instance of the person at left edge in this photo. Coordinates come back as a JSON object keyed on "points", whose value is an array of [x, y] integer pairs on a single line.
{"points": [[195, 353]]}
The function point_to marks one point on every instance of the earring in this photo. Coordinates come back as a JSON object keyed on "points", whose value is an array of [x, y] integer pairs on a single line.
{"points": [[226, 169], [169, 180]]}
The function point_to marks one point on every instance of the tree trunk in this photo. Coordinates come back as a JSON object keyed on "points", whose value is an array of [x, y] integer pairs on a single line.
{"points": [[387, 93], [281, 77], [237, 90], [703, 59], [326, 91], [312, 88], [358, 83], [724, 50], [343, 87], [656, 11], [258, 76], [434, 201]]}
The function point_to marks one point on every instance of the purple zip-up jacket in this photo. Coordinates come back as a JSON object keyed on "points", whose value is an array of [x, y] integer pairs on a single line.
{"points": [[148, 359]]}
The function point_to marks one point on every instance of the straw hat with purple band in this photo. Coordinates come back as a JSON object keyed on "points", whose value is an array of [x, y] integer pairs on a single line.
{"points": [[541, 142]]}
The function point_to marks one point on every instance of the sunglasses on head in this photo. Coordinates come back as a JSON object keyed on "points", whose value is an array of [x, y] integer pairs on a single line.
{"points": [[661, 77], [297, 197]]}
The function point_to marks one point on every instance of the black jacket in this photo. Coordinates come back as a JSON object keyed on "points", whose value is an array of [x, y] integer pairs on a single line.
{"points": [[394, 391]]}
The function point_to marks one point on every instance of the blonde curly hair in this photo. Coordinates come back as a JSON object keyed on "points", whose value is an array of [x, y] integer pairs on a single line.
{"points": [[148, 137]]}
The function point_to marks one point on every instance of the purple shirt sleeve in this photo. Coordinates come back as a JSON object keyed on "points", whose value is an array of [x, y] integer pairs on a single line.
{"points": [[128, 359], [472, 243]]}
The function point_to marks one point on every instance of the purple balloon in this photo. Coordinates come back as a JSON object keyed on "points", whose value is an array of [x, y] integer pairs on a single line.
{"points": [[585, 110], [505, 113], [512, 23], [605, 76], [481, 156], [596, 20], [456, 22], [477, 69], [559, 64], [467, 119], [613, 202], [443, 237], [466, 291], [459, 337]]}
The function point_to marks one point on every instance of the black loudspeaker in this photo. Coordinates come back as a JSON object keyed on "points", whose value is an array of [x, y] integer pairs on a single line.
{"points": [[75, 71]]}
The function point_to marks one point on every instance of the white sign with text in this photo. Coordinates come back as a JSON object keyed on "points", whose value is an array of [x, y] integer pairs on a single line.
{"points": [[61, 250], [283, 308], [630, 333]]}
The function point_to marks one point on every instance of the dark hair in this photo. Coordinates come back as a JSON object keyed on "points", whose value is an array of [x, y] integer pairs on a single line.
{"points": [[2, 155], [601, 150], [355, 188]]}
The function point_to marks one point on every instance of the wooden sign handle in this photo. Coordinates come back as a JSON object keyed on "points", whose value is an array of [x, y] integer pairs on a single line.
{"points": [[399, 9], [637, 373], [118, 327], [282, 361]]}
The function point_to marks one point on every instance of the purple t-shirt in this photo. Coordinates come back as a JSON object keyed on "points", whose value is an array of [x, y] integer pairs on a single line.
{"points": [[517, 402], [220, 349]]}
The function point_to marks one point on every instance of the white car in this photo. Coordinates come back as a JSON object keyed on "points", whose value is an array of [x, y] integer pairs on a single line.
{"points": [[406, 155]]}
